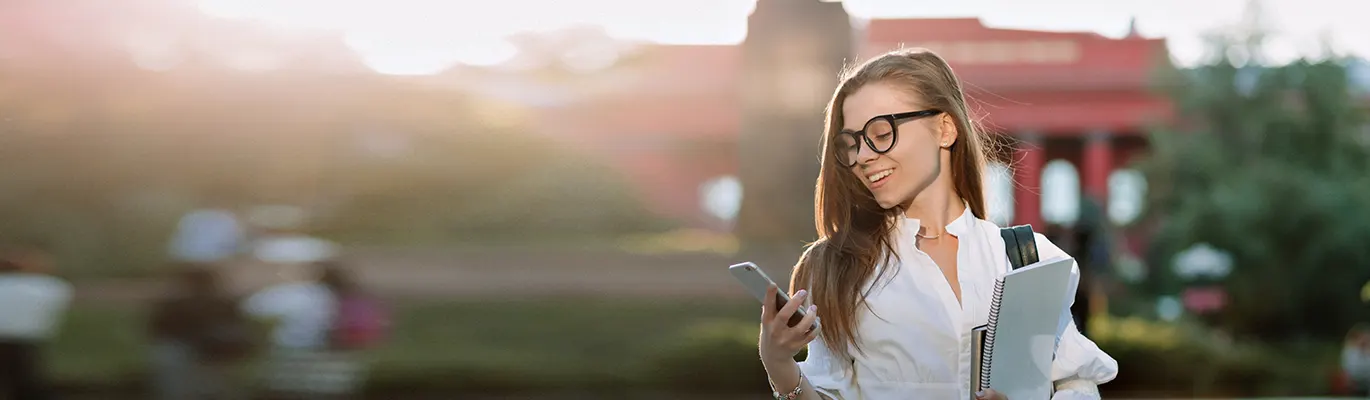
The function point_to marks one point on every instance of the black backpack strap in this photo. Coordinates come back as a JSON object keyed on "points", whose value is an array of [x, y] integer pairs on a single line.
{"points": [[1020, 244]]}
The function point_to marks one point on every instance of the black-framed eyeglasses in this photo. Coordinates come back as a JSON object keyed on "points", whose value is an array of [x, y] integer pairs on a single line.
{"points": [[880, 133]]}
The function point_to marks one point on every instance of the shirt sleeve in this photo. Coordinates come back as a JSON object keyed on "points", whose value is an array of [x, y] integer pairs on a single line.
{"points": [[825, 373], [1080, 366]]}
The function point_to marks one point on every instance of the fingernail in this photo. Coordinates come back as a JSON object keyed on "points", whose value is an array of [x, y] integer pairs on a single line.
{"points": [[813, 308], [801, 292], [980, 394]]}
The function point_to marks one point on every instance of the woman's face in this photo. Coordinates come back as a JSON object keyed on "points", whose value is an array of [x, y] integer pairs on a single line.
{"points": [[914, 160]]}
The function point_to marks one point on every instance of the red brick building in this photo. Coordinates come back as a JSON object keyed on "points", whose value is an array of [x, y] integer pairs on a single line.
{"points": [[1078, 97], [673, 119], [669, 120]]}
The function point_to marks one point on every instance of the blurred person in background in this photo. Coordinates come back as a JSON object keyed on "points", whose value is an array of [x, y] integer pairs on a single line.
{"points": [[1355, 359], [208, 235], [310, 357], [198, 337], [360, 321], [32, 303], [282, 246], [905, 262], [285, 238]]}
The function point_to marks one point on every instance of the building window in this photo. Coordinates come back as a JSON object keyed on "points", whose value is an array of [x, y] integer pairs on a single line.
{"points": [[1060, 193], [999, 194], [1126, 196]]}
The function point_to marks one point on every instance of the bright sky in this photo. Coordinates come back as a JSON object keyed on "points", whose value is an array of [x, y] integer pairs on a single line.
{"points": [[426, 36]]}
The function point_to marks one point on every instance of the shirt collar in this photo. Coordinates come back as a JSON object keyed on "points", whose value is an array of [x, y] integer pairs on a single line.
{"points": [[957, 227]]}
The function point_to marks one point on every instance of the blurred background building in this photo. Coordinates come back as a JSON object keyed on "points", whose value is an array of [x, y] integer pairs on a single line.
{"points": [[1075, 106]]}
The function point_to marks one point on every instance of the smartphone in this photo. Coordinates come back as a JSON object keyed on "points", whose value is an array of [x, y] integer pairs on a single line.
{"points": [[756, 281]]}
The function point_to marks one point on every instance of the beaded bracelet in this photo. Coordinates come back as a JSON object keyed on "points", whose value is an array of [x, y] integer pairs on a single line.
{"points": [[794, 394]]}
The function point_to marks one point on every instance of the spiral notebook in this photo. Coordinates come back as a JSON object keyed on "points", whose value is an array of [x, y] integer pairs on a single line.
{"points": [[1014, 351]]}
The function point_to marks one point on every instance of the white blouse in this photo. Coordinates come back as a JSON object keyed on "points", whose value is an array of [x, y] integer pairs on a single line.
{"points": [[917, 338]]}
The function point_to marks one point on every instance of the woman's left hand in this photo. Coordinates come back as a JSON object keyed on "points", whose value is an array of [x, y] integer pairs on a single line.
{"points": [[990, 394]]}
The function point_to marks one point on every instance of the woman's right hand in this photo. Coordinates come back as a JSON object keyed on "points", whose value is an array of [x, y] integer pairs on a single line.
{"points": [[779, 341]]}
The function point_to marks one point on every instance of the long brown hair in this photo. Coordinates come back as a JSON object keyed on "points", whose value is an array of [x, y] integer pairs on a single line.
{"points": [[854, 230]]}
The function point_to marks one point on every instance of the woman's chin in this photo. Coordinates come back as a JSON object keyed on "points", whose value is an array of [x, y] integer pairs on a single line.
{"points": [[886, 203]]}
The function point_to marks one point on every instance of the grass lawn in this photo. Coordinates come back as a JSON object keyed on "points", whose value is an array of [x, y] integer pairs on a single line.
{"points": [[572, 343], [555, 343], [619, 346]]}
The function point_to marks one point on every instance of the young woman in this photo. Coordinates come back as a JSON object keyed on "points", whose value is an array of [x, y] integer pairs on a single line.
{"points": [[905, 262]]}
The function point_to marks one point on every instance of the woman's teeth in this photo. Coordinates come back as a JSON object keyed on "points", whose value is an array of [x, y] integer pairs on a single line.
{"points": [[876, 177]]}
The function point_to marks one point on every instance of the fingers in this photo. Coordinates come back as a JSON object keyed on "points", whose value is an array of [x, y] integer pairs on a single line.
{"points": [[783, 316], [810, 315], [989, 394], [768, 304], [812, 334]]}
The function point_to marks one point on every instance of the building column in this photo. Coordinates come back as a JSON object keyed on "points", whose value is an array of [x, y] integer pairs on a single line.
{"points": [[792, 50], [1098, 165], [1029, 158]]}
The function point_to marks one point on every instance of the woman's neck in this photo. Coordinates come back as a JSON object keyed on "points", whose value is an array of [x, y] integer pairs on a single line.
{"points": [[935, 208]]}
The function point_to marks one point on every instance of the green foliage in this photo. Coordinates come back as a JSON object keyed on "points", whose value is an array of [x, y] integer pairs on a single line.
{"points": [[1271, 164], [1170, 359], [107, 177], [491, 188], [711, 354], [717, 355], [103, 203], [488, 346]]}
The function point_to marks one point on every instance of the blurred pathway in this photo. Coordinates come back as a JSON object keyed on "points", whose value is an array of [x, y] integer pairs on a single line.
{"points": [[423, 274]]}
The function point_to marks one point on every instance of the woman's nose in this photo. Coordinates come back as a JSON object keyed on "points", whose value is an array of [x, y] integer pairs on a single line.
{"points": [[865, 154]]}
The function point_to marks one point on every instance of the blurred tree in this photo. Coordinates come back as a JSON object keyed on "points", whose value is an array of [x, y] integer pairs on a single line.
{"points": [[103, 164], [1272, 164], [791, 58]]}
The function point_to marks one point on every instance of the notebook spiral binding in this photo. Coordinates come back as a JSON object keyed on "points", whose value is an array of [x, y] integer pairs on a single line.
{"points": [[992, 324]]}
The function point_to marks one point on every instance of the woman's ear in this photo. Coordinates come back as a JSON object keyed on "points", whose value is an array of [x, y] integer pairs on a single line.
{"points": [[947, 133]]}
